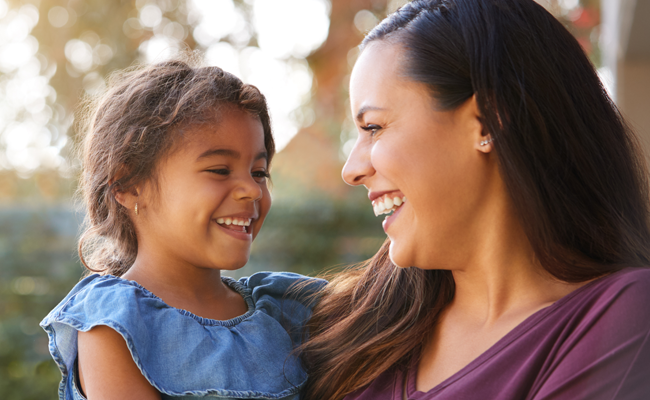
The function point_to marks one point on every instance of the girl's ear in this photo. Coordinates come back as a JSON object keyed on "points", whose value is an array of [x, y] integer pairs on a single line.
{"points": [[128, 198]]}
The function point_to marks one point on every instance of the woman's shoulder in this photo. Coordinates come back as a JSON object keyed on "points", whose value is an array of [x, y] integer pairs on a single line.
{"points": [[618, 300], [602, 340], [629, 287]]}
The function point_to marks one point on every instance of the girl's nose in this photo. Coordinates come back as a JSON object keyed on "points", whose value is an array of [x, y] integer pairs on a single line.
{"points": [[358, 167], [248, 189]]}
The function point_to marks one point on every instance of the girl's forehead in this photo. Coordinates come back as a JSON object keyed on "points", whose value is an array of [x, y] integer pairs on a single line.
{"points": [[238, 131]]}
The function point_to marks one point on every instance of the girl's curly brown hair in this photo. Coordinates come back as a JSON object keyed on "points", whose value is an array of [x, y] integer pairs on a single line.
{"points": [[130, 128]]}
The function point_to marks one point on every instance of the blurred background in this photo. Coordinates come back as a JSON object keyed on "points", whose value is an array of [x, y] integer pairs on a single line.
{"points": [[298, 52]]}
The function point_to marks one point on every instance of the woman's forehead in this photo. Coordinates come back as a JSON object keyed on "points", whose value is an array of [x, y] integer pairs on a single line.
{"points": [[378, 81]]}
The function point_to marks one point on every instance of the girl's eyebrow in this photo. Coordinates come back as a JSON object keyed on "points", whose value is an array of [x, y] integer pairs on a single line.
{"points": [[219, 152], [229, 153]]}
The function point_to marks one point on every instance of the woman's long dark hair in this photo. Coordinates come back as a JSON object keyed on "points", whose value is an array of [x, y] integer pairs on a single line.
{"points": [[571, 166]]}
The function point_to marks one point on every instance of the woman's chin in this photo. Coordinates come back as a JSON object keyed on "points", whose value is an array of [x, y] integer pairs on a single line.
{"points": [[399, 258]]}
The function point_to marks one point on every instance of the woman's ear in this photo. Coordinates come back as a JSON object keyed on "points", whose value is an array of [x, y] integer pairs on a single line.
{"points": [[484, 143], [481, 138]]}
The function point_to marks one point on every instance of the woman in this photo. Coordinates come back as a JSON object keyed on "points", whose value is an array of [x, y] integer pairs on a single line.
{"points": [[520, 205]]}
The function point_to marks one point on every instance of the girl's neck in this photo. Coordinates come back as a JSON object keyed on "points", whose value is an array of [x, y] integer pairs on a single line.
{"points": [[180, 285]]}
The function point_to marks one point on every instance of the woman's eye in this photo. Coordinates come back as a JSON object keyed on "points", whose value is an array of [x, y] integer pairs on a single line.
{"points": [[371, 128], [220, 171]]}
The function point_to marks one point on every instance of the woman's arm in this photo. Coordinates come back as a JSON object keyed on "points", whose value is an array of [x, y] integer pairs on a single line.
{"points": [[107, 370]]}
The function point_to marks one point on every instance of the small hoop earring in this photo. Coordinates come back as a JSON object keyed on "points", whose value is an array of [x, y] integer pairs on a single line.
{"points": [[484, 142], [136, 208]]}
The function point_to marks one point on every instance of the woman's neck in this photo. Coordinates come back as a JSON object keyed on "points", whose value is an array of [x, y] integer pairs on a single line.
{"points": [[502, 276]]}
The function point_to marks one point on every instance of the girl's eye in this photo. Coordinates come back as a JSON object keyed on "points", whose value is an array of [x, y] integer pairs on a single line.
{"points": [[261, 175], [220, 171], [371, 128]]}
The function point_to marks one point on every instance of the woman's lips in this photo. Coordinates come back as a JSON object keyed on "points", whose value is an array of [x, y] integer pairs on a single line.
{"points": [[391, 218]]}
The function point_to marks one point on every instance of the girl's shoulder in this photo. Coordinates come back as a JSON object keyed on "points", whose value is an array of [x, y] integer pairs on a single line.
{"points": [[100, 297], [184, 354], [270, 290]]}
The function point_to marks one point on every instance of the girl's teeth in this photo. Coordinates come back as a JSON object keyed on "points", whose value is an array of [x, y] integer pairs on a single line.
{"points": [[234, 221], [397, 201], [388, 203]]}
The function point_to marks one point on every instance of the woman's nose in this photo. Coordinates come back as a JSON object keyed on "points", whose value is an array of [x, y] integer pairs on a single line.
{"points": [[358, 167]]}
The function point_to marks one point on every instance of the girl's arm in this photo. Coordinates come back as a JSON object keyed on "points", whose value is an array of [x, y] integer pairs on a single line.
{"points": [[107, 370]]}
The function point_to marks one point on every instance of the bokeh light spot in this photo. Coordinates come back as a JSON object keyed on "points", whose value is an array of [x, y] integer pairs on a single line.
{"points": [[291, 27], [365, 20], [150, 16], [58, 16]]}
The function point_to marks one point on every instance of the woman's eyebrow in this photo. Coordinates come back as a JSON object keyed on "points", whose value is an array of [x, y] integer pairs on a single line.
{"points": [[365, 109]]}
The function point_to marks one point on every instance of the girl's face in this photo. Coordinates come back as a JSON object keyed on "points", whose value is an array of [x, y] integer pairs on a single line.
{"points": [[425, 164], [212, 195]]}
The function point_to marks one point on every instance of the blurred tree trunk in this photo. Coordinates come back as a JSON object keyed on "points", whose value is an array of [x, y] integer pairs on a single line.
{"points": [[311, 162]]}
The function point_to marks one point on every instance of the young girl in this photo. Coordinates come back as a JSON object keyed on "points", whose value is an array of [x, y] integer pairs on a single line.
{"points": [[175, 170]]}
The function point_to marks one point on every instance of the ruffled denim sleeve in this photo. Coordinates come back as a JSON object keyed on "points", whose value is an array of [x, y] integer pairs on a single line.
{"points": [[184, 355], [286, 297]]}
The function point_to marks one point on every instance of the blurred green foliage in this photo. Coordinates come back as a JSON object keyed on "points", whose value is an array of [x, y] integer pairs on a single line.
{"points": [[39, 267]]}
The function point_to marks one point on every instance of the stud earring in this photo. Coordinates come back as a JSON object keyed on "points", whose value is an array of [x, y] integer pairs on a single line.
{"points": [[136, 208], [484, 142]]}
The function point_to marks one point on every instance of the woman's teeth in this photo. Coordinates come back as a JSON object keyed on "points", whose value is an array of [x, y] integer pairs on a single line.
{"points": [[232, 223], [386, 204]]}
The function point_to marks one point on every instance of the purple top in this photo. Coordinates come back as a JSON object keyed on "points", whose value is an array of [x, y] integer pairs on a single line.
{"points": [[592, 344]]}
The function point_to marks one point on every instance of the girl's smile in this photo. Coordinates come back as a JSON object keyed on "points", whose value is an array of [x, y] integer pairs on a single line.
{"points": [[238, 225], [212, 196]]}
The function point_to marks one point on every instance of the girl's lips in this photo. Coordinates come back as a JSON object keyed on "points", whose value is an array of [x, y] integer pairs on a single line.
{"points": [[237, 234], [391, 218]]}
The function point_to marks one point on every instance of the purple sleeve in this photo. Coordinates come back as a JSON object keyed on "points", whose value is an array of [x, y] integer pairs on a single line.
{"points": [[608, 357]]}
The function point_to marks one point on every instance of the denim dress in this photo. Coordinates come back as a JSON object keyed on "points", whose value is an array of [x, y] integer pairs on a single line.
{"points": [[186, 356]]}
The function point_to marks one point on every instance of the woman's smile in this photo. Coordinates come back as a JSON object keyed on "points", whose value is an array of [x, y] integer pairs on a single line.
{"points": [[415, 160], [391, 218]]}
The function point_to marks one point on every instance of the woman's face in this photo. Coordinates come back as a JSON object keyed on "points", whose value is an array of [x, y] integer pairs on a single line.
{"points": [[431, 162]]}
